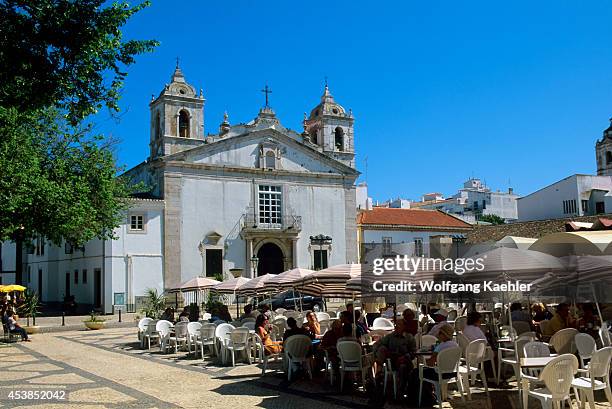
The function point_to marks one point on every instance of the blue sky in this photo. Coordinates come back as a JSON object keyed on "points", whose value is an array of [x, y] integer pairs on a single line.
{"points": [[509, 92]]}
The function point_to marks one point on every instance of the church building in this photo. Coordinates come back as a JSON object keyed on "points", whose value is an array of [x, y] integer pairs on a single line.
{"points": [[250, 199]]}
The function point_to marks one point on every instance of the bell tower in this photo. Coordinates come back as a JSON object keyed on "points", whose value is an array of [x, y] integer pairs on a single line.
{"points": [[330, 127], [177, 117], [603, 153]]}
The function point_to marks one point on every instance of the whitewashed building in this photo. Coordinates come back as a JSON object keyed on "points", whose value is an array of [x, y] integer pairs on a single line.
{"points": [[250, 199]]}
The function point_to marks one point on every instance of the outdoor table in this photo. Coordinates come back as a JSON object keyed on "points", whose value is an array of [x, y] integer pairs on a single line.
{"points": [[538, 362]]}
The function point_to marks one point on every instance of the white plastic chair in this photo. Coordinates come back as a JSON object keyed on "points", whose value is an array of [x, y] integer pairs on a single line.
{"points": [[521, 327], [599, 367], [221, 333], [392, 373], [296, 351], [507, 331], [428, 341], [150, 333], [475, 354], [585, 344], [563, 341], [557, 377], [206, 316], [142, 328], [351, 360], [193, 333], [447, 362], [207, 338], [249, 324], [261, 352], [533, 349], [324, 325], [460, 323], [180, 335], [163, 328], [281, 322], [321, 316], [512, 356], [606, 337], [238, 341], [249, 319], [280, 311]]}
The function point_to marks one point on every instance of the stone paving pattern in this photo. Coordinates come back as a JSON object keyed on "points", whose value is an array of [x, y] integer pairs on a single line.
{"points": [[107, 369]]}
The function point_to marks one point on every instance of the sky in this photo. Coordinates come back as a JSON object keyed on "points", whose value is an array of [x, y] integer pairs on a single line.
{"points": [[515, 93]]}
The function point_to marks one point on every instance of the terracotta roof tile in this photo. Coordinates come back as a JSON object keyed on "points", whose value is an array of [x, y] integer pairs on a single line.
{"points": [[410, 217]]}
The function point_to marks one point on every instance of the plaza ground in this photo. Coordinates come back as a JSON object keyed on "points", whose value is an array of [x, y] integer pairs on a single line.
{"points": [[107, 369]]}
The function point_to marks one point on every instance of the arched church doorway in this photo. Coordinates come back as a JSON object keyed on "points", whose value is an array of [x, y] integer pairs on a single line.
{"points": [[270, 259]]}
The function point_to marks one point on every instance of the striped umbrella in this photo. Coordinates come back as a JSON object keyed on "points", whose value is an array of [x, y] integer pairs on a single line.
{"points": [[230, 286], [331, 282], [288, 279], [198, 283], [256, 285]]}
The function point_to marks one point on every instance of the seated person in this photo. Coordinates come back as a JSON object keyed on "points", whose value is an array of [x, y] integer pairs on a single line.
{"points": [[398, 346], [440, 318], [14, 326], [311, 326], [249, 312], [168, 314], [517, 313], [472, 330], [588, 319], [362, 327], [224, 314], [540, 313], [411, 324], [347, 333], [184, 315], [424, 318], [293, 329], [445, 336], [270, 347], [560, 320]]}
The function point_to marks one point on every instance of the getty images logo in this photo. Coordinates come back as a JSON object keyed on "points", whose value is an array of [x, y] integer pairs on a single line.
{"points": [[412, 265]]}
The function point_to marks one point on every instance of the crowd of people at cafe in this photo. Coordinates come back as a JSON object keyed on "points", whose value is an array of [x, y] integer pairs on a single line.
{"points": [[9, 306]]}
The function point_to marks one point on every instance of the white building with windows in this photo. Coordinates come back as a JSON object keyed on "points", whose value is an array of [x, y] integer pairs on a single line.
{"points": [[251, 199], [407, 231], [576, 195]]}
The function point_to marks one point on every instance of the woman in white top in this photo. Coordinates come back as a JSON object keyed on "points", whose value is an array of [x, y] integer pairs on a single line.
{"points": [[472, 330]]}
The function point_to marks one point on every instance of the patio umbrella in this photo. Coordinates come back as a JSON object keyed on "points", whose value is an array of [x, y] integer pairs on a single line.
{"points": [[255, 285], [288, 279], [196, 285], [230, 287], [12, 287], [331, 282]]}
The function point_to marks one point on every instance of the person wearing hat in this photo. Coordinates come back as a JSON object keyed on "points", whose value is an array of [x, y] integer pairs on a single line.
{"points": [[440, 318], [445, 336]]}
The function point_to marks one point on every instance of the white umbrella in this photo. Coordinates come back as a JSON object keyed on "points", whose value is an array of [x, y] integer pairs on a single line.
{"points": [[331, 282], [288, 279], [230, 286], [198, 283], [255, 285]]}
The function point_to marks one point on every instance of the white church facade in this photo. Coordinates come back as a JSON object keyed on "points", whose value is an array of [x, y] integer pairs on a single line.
{"points": [[252, 199]]}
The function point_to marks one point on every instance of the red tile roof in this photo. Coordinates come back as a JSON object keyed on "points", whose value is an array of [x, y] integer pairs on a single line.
{"points": [[409, 217]]}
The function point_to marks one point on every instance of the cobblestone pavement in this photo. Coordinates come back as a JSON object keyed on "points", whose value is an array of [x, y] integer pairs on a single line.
{"points": [[107, 369]]}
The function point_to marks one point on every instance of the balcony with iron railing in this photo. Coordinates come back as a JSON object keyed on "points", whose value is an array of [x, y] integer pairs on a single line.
{"points": [[252, 222]]}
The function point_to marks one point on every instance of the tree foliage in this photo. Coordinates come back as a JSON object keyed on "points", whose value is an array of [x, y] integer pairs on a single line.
{"points": [[65, 53], [492, 218]]}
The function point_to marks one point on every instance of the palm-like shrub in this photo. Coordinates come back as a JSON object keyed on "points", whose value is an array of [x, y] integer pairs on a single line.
{"points": [[154, 303]]}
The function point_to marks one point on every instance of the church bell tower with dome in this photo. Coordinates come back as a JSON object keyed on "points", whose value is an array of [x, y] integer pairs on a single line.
{"points": [[603, 152]]}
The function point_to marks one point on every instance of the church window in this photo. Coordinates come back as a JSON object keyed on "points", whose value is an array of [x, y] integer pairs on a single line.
{"points": [[386, 246], [137, 223], [418, 247], [339, 138], [184, 124], [270, 160], [608, 157], [320, 259], [270, 203]]}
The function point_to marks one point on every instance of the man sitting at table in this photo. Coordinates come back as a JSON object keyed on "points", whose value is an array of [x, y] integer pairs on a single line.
{"points": [[398, 346], [412, 325], [472, 330], [560, 320], [440, 318], [293, 329]]}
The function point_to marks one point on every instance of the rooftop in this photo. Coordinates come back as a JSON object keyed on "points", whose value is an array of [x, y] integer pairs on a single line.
{"points": [[410, 217]]}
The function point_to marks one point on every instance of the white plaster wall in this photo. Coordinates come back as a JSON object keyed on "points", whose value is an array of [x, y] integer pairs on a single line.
{"points": [[402, 236], [547, 203]]}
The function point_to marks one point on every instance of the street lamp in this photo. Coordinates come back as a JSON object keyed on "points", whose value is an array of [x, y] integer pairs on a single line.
{"points": [[254, 264], [320, 240]]}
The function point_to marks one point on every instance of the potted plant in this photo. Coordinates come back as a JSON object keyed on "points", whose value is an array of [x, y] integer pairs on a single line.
{"points": [[94, 321], [154, 304], [29, 309]]}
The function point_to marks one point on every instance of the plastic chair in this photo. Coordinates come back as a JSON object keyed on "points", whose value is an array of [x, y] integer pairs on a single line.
{"points": [[475, 355], [428, 341], [180, 335], [585, 344], [452, 315], [280, 311], [606, 337], [249, 319], [249, 324], [533, 349], [325, 325], [447, 363], [206, 316], [238, 341], [463, 342], [351, 360], [557, 377], [142, 328], [393, 374], [193, 333], [261, 351], [321, 316], [163, 328], [221, 333], [460, 323], [296, 349], [563, 341], [599, 367], [512, 356], [281, 322], [150, 334], [294, 314], [207, 338], [507, 331]]}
